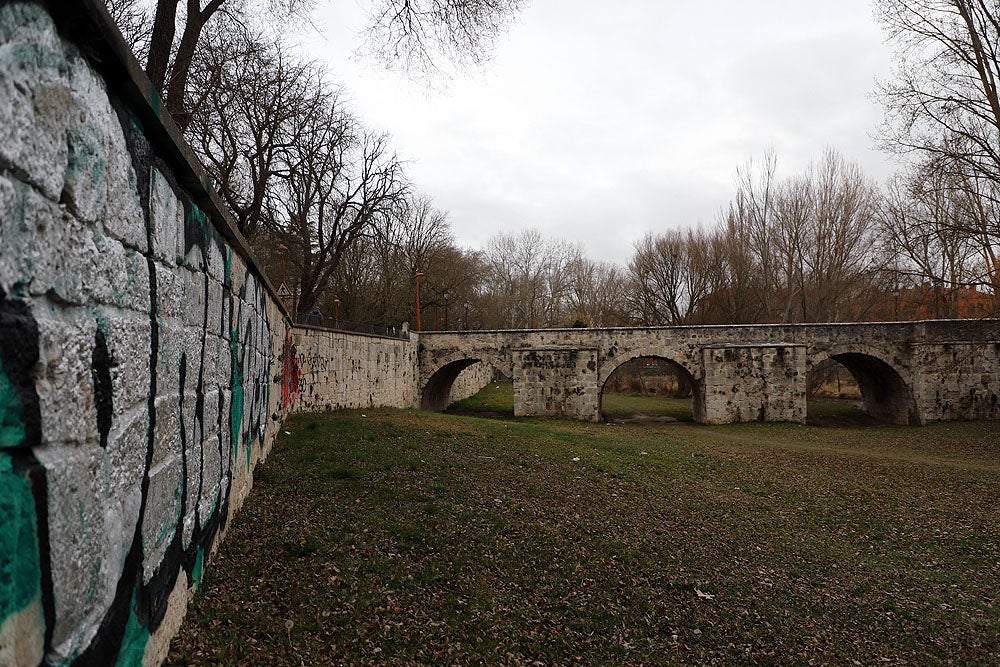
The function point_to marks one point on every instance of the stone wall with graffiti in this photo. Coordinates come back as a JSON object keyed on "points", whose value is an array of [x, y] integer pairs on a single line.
{"points": [[141, 363], [335, 369], [145, 362]]}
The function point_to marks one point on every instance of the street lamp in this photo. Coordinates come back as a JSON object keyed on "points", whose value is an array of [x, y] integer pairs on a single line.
{"points": [[417, 290], [447, 295], [466, 304], [336, 312]]}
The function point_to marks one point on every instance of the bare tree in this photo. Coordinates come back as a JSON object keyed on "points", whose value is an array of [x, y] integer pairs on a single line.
{"points": [[528, 283], [170, 33], [751, 224], [416, 32], [252, 103], [920, 227], [791, 250], [828, 226], [340, 181], [131, 17], [944, 104], [944, 99], [375, 282], [667, 275], [598, 294]]}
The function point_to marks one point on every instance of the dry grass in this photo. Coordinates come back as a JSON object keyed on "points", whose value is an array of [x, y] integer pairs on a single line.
{"points": [[399, 537]]}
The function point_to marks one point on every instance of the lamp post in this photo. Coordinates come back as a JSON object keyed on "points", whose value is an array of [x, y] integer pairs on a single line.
{"points": [[447, 295], [336, 312], [466, 304], [417, 290]]}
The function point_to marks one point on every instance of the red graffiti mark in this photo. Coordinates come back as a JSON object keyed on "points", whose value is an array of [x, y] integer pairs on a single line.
{"points": [[291, 377]]}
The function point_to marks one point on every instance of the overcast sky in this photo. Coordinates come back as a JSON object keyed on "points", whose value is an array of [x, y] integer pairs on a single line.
{"points": [[599, 121]]}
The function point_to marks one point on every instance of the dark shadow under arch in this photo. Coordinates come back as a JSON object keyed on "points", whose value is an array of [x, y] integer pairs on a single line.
{"points": [[697, 386], [885, 394], [435, 394]]}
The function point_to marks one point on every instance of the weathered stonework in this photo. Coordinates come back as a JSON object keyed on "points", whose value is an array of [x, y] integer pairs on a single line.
{"points": [[137, 351], [910, 372], [754, 383], [556, 382], [146, 364], [342, 370]]}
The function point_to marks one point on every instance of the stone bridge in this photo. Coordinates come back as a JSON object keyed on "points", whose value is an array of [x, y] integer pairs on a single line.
{"points": [[908, 372]]}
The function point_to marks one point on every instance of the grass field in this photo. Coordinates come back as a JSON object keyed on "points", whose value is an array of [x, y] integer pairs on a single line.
{"points": [[402, 537]]}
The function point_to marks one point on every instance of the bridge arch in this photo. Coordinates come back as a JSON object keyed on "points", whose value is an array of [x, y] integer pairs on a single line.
{"points": [[436, 391], [679, 367], [886, 395]]}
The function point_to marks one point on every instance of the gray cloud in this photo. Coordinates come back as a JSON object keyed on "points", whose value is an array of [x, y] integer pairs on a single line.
{"points": [[597, 124]]}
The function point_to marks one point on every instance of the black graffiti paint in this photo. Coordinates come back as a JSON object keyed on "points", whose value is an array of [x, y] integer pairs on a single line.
{"points": [[19, 354], [148, 601], [100, 368], [107, 642], [257, 399], [19, 344]]}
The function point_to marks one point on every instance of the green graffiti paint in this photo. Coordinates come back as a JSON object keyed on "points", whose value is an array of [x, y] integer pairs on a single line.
{"points": [[134, 642], [199, 568], [236, 404], [197, 215], [169, 527], [136, 121], [154, 100], [36, 56], [20, 569], [11, 413], [84, 154]]}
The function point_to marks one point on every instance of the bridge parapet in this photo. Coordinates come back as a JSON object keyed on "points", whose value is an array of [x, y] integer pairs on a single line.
{"points": [[908, 372]]}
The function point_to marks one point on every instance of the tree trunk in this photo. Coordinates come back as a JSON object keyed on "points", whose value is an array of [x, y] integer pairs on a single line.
{"points": [[161, 41], [196, 20]]}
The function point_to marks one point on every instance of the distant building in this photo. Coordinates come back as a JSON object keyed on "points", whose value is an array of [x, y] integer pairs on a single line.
{"points": [[930, 302]]}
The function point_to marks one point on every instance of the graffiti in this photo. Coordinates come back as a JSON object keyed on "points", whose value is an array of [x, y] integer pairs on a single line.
{"points": [[127, 398], [291, 376], [100, 367], [25, 587]]}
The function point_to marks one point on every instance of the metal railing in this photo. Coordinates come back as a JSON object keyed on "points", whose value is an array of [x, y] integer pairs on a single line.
{"points": [[333, 324]]}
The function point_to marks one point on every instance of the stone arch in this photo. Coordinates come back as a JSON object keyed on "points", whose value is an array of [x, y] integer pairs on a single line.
{"points": [[885, 393], [436, 391], [697, 382]]}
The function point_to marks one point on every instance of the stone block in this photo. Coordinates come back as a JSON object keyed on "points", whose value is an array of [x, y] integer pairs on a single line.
{"points": [[92, 514], [552, 382], [128, 341], [123, 218], [36, 103], [162, 517], [212, 479], [170, 290], [118, 276], [166, 218], [754, 383], [64, 381], [19, 206], [193, 299]]}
